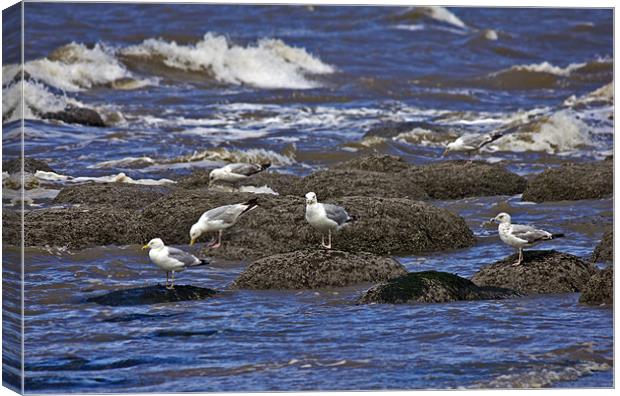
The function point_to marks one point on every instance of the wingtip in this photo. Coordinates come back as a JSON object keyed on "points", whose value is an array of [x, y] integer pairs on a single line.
{"points": [[266, 165]]}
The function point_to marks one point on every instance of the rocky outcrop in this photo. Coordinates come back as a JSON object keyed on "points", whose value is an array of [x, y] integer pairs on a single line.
{"points": [[118, 195], [460, 179], [31, 165], [278, 225], [572, 182], [542, 271], [317, 268], [152, 295], [75, 227], [333, 183], [11, 227], [76, 115], [600, 288], [604, 251], [376, 163], [431, 287]]}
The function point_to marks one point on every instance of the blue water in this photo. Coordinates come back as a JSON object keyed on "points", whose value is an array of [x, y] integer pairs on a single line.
{"points": [[188, 86]]}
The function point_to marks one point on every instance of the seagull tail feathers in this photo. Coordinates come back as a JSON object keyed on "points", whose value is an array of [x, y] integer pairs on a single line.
{"points": [[251, 204], [265, 165]]}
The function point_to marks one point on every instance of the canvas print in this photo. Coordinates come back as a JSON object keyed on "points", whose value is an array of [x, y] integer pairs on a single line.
{"points": [[245, 198]]}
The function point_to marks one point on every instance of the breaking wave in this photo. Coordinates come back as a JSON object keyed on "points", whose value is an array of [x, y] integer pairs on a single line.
{"points": [[118, 178], [270, 63], [438, 14], [38, 99]]}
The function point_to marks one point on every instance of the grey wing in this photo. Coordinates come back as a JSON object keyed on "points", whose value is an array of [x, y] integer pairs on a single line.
{"points": [[185, 258], [245, 169], [227, 214], [337, 214], [474, 140], [529, 233]]}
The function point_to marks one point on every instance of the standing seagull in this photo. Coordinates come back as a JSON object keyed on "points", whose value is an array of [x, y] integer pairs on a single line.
{"points": [[219, 219], [520, 236], [170, 259], [325, 218], [471, 142], [233, 173]]}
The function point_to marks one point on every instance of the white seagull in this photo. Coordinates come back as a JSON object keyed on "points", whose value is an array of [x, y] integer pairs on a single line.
{"points": [[471, 142], [233, 173], [520, 236], [170, 259], [219, 219], [325, 218]]}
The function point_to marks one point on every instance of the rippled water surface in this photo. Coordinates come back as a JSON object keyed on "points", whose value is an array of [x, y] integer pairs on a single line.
{"points": [[182, 87]]}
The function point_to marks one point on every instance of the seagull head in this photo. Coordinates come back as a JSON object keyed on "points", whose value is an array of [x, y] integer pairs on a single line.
{"points": [[155, 243], [450, 147], [215, 174], [502, 218], [194, 233], [311, 198]]}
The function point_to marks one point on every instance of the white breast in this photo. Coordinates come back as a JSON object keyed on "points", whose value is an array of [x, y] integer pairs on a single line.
{"points": [[160, 258], [505, 234]]}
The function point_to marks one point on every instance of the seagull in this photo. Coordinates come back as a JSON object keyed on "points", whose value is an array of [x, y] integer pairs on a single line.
{"points": [[520, 236], [471, 142], [170, 259], [219, 219], [325, 218], [233, 173]]}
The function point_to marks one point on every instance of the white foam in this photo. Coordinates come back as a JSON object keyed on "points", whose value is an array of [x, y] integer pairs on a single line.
{"points": [[603, 94], [412, 28], [561, 132], [269, 64], [258, 190], [546, 67], [37, 98], [442, 14], [131, 162], [118, 178]]}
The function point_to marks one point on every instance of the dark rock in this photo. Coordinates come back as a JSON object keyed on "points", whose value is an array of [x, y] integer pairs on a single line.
{"points": [[431, 287], [152, 295], [542, 271], [600, 288], [391, 129], [76, 115], [317, 268], [31, 165], [11, 227], [572, 182], [74, 227], [118, 195], [604, 251], [332, 183], [460, 179], [278, 225], [376, 163]]}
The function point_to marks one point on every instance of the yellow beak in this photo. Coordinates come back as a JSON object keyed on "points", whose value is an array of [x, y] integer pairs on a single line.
{"points": [[192, 241], [145, 247]]}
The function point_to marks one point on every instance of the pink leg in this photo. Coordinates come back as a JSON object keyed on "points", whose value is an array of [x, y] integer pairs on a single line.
{"points": [[219, 241], [329, 240]]}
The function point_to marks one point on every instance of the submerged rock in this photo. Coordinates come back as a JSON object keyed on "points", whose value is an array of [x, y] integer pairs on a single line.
{"points": [[604, 251], [333, 183], [314, 268], [118, 195], [152, 295], [431, 287], [74, 227], [394, 128], [278, 225], [571, 182], [11, 227], [542, 271], [600, 288], [76, 115], [31, 165], [460, 179]]}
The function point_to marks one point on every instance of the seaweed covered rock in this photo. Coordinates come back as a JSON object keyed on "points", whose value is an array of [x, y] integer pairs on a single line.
{"points": [[392, 129], [600, 288], [278, 225], [431, 287], [460, 179], [86, 226], [571, 182], [333, 183], [314, 268], [604, 251], [152, 295], [542, 271], [31, 165], [119, 195], [76, 115], [376, 163], [11, 227]]}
